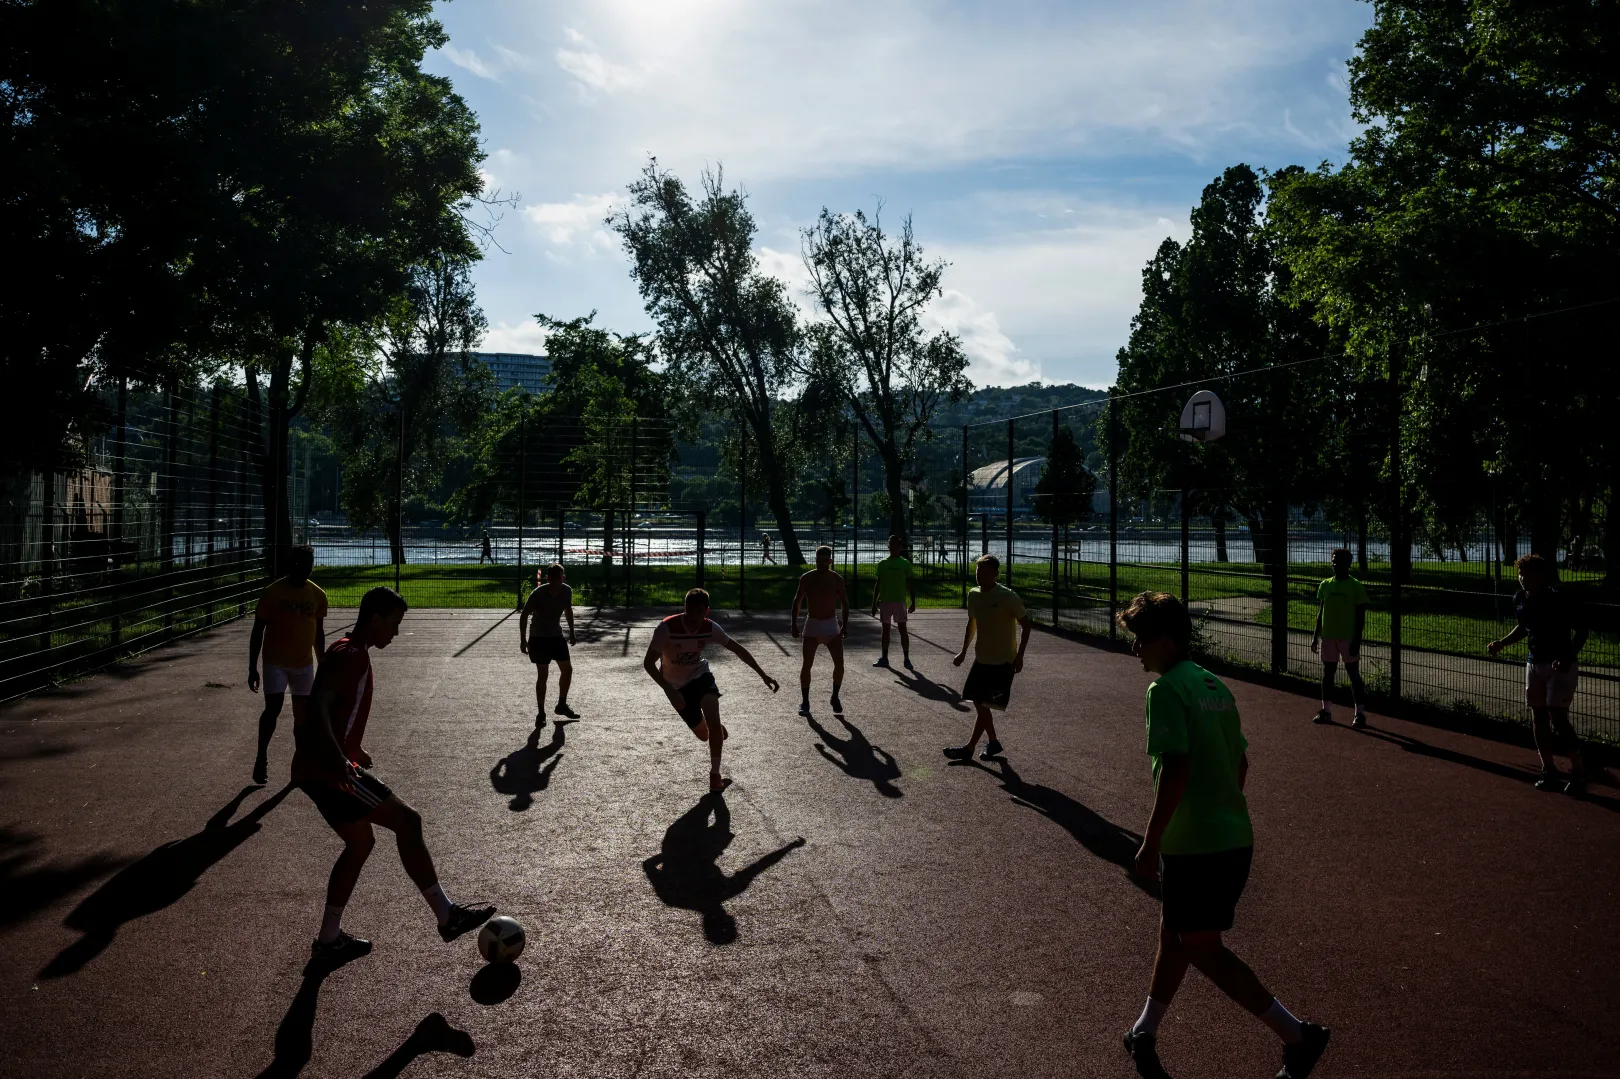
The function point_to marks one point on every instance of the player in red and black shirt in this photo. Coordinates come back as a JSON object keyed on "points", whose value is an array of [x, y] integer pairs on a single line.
{"points": [[330, 765]]}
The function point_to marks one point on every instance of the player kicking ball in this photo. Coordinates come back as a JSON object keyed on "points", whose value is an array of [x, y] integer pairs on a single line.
{"points": [[995, 614], [1199, 840], [675, 661], [330, 765], [826, 622]]}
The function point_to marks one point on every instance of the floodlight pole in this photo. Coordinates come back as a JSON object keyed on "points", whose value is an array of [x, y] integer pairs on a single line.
{"points": [[963, 560], [1009, 574], [1113, 517], [742, 518], [523, 478], [1052, 515]]}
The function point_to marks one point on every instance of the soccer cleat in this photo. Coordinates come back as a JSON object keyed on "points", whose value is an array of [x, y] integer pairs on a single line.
{"points": [[1322, 716], [959, 753], [882, 661], [837, 705], [992, 750], [540, 719], [909, 667], [1144, 1053], [804, 708], [1299, 1060], [1359, 723], [1550, 781], [464, 920], [342, 950], [261, 770], [562, 709]]}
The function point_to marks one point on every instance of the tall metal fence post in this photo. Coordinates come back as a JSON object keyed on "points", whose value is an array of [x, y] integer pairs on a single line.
{"points": [[399, 496], [1008, 574], [963, 561], [1398, 556], [742, 519], [523, 486], [630, 525], [1186, 525], [562, 520], [166, 491], [1113, 517], [1053, 516], [855, 513], [213, 492], [1278, 542], [115, 537], [702, 569]]}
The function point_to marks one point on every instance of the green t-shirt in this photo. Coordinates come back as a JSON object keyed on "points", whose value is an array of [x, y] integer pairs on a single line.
{"points": [[1191, 711], [995, 617], [1339, 600], [892, 574]]}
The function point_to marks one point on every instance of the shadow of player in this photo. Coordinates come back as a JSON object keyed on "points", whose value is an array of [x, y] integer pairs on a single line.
{"points": [[527, 772], [929, 690], [861, 759], [1099, 835], [684, 874], [156, 881]]}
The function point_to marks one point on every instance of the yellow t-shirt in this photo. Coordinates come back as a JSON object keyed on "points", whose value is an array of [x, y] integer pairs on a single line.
{"points": [[995, 616], [290, 613]]}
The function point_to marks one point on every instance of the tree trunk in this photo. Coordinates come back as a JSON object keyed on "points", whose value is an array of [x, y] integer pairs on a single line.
{"points": [[776, 493], [1218, 519], [1361, 542], [893, 486]]}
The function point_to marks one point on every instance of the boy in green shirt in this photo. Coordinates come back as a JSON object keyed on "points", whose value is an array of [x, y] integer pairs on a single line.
{"points": [[1341, 616], [894, 583], [1199, 841], [996, 613]]}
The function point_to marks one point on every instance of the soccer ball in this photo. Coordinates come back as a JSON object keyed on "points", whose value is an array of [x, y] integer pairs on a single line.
{"points": [[501, 940]]}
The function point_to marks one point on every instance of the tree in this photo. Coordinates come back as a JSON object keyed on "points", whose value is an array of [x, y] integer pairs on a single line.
{"points": [[726, 329], [871, 290], [1063, 493]]}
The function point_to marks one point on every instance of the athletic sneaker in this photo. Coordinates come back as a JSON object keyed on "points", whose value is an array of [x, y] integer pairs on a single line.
{"points": [[882, 661], [909, 667], [1299, 1060], [959, 753], [1360, 722], [562, 709], [992, 750], [540, 719], [837, 705], [804, 708], [1550, 781], [1323, 716], [1144, 1053], [1576, 786], [261, 769], [342, 950], [464, 920]]}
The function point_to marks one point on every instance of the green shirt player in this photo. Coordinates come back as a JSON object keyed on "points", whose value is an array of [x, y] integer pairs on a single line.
{"points": [[1199, 841], [1341, 616], [895, 584]]}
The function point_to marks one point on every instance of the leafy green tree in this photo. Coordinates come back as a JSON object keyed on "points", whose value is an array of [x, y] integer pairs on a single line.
{"points": [[871, 290], [727, 331], [1063, 492]]}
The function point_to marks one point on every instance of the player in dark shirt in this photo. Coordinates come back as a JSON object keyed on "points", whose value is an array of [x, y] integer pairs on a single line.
{"points": [[1551, 624], [331, 766]]}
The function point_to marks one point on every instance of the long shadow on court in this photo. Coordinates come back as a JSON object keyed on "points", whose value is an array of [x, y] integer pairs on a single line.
{"points": [[929, 690], [156, 881], [527, 772], [860, 758], [1468, 760], [27, 884], [684, 874], [1096, 833]]}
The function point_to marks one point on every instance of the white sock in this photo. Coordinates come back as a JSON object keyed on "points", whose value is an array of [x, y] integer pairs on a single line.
{"points": [[330, 922], [1148, 1021], [1279, 1019], [438, 901]]}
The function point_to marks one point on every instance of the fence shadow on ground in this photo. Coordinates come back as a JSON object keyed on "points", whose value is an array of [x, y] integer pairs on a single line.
{"points": [[684, 873], [156, 881]]}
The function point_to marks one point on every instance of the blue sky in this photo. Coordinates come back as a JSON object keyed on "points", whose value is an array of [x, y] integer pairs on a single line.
{"points": [[1044, 149]]}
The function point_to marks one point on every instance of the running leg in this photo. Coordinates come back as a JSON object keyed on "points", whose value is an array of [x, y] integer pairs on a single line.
{"points": [[1358, 688], [1546, 743], [835, 645], [714, 732], [406, 824], [565, 678], [267, 731], [358, 840], [804, 674]]}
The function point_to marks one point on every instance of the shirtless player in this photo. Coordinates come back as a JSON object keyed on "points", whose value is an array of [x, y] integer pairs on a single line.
{"points": [[822, 592]]}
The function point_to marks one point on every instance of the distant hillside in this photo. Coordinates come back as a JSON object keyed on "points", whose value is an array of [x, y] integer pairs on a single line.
{"points": [[998, 402]]}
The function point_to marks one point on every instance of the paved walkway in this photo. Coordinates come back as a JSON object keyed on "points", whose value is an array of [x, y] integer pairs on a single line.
{"points": [[1410, 888]]}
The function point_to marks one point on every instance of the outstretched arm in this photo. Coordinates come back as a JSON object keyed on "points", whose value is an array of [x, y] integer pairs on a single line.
{"points": [[1516, 636], [748, 657]]}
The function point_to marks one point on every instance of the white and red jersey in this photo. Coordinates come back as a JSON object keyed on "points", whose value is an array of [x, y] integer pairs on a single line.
{"points": [[680, 648], [346, 671]]}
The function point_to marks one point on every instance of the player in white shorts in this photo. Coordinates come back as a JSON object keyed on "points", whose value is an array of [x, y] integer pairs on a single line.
{"points": [[826, 622], [675, 661], [289, 630]]}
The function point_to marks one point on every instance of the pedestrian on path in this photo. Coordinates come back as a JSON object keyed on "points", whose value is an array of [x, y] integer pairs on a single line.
{"points": [[485, 551], [1550, 621], [995, 615], [1199, 841], [1341, 618], [543, 642], [289, 626], [896, 581]]}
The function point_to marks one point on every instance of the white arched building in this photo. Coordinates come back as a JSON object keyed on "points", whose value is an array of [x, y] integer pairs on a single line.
{"points": [[987, 486]]}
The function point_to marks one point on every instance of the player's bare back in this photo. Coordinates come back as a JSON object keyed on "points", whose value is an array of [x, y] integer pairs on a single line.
{"points": [[823, 592]]}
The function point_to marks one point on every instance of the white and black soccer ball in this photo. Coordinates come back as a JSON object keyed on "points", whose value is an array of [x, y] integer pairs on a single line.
{"points": [[501, 940]]}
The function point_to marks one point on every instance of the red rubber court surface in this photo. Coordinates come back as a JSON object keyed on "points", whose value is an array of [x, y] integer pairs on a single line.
{"points": [[1410, 889]]}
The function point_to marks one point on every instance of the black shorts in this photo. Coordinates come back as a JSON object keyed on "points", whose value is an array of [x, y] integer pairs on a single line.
{"points": [[1201, 891], [989, 683], [692, 695], [548, 650], [348, 800]]}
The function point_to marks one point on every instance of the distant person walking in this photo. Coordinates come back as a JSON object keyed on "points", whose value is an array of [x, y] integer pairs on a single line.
{"points": [[1341, 618], [1199, 841], [485, 551], [826, 622], [289, 627], [995, 616], [765, 548], [1550, 620], [542, 639], [896, 583]]}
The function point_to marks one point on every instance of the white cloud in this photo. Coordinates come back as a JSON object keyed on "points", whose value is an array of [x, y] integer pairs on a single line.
{"points": [[527, 336], [594, 71], [993, 359], [576, 222], [468, 60]]}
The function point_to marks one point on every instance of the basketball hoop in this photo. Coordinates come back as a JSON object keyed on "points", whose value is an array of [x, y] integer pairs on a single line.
{"points": [[1204, 418]]}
